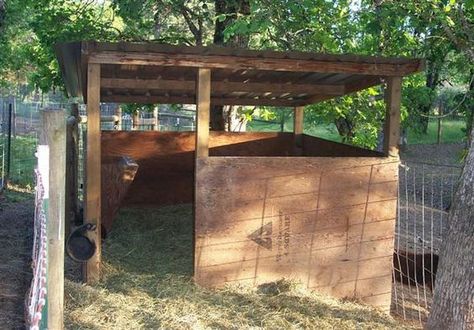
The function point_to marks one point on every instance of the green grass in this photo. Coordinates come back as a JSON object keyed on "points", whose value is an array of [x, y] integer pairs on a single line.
{"points": [[147, 284], [23, 160], [328, 132], [14, 194], [452, 132]]}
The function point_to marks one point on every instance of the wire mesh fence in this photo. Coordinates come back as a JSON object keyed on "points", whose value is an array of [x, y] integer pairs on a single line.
{"points": [[425, 195], [20, 123]]}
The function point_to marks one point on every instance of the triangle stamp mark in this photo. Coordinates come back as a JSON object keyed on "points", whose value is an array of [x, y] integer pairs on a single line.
{"points": [[262, 236]]}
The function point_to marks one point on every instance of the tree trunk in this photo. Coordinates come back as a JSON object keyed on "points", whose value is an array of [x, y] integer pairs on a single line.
{"points": [[432, 81], [231, 9], [344, 128], [453, 301]]}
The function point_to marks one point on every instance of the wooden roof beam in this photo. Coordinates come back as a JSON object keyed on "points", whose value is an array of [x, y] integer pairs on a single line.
{"points": [[255, 63], [156, 99], [221, 86], [349, 88]]}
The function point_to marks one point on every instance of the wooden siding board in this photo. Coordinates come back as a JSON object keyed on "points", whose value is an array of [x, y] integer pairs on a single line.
{"points": [[311, 224], [165, 160]]}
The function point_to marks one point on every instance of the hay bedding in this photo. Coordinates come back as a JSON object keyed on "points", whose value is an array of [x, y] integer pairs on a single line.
{"points": [[147, 285]]}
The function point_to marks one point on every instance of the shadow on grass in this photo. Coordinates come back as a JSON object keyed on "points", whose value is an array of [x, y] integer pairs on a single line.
{"points": [[147, 284]]}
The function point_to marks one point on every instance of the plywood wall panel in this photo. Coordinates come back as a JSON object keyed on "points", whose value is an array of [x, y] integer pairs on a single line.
{"points": [[317, 147], [166, 159], [309, 219]]}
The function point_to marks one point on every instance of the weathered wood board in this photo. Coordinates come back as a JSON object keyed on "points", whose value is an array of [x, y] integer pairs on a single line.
{"points": [[166, 159], [316, 147], [117, 175], [326, 222]]}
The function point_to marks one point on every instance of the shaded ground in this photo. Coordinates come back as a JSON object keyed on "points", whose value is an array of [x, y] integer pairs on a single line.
{"points": [[447, 154], [16, 225], [427, 181]]}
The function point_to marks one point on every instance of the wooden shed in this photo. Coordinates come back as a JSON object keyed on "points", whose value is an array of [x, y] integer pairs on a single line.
{"points": [[266, 205]]}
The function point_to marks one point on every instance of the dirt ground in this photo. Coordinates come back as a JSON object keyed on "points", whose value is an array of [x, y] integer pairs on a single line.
{"points": [[447, 154], [427, 181], [16, 224]]}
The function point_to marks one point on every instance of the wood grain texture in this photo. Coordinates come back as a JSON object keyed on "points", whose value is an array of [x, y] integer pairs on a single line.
{"points": [[253, 73], [298, 127], [220, 86], [203, 108], [53, 135], [92, 210], [166, 159], [249, 63], [317, 147], [72, 168], [117, 175], [326, 222]]}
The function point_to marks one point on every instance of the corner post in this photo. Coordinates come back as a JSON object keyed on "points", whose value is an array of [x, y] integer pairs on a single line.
{"points": [[203, 109], [53, 135], [298, 118], [93, 172], [392, 116]]}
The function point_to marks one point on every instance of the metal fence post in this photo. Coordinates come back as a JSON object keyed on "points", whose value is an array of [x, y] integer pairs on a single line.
{"points": [[9, 142]]}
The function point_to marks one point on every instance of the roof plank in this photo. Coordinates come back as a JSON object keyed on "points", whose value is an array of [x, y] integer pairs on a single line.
{"points": [[221, 86], [245, 63]]}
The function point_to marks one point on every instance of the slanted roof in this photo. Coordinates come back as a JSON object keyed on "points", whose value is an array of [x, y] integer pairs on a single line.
{"points": [[161, 73]]}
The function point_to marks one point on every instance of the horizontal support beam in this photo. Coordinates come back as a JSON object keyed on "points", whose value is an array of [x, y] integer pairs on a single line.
{"points": [[152, 99], [252, 63], [221, 86], [349, 89]]}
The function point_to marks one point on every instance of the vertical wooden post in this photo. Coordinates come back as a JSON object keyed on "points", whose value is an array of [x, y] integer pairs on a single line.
{"points": [[53, 138], [135, 120], [156, 121], [118, 113], [72, 167], [392, 116], [203, 102], [298, 128], [203, 109], [93, 172]]}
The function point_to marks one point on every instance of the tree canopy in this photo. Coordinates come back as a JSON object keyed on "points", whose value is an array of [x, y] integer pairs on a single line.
{"points": [[441, 31]]}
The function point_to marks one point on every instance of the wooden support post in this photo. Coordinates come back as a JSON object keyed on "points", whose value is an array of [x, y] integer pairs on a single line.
{"points": [[298, 129], [203, 102], [53, 139], [156, 121], [135, 120], [72, 167], [93, 172], [392, 116], [118, 113]]}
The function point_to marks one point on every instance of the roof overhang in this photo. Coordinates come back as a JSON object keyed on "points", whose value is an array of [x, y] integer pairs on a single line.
{"points": [[160, 73]]}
